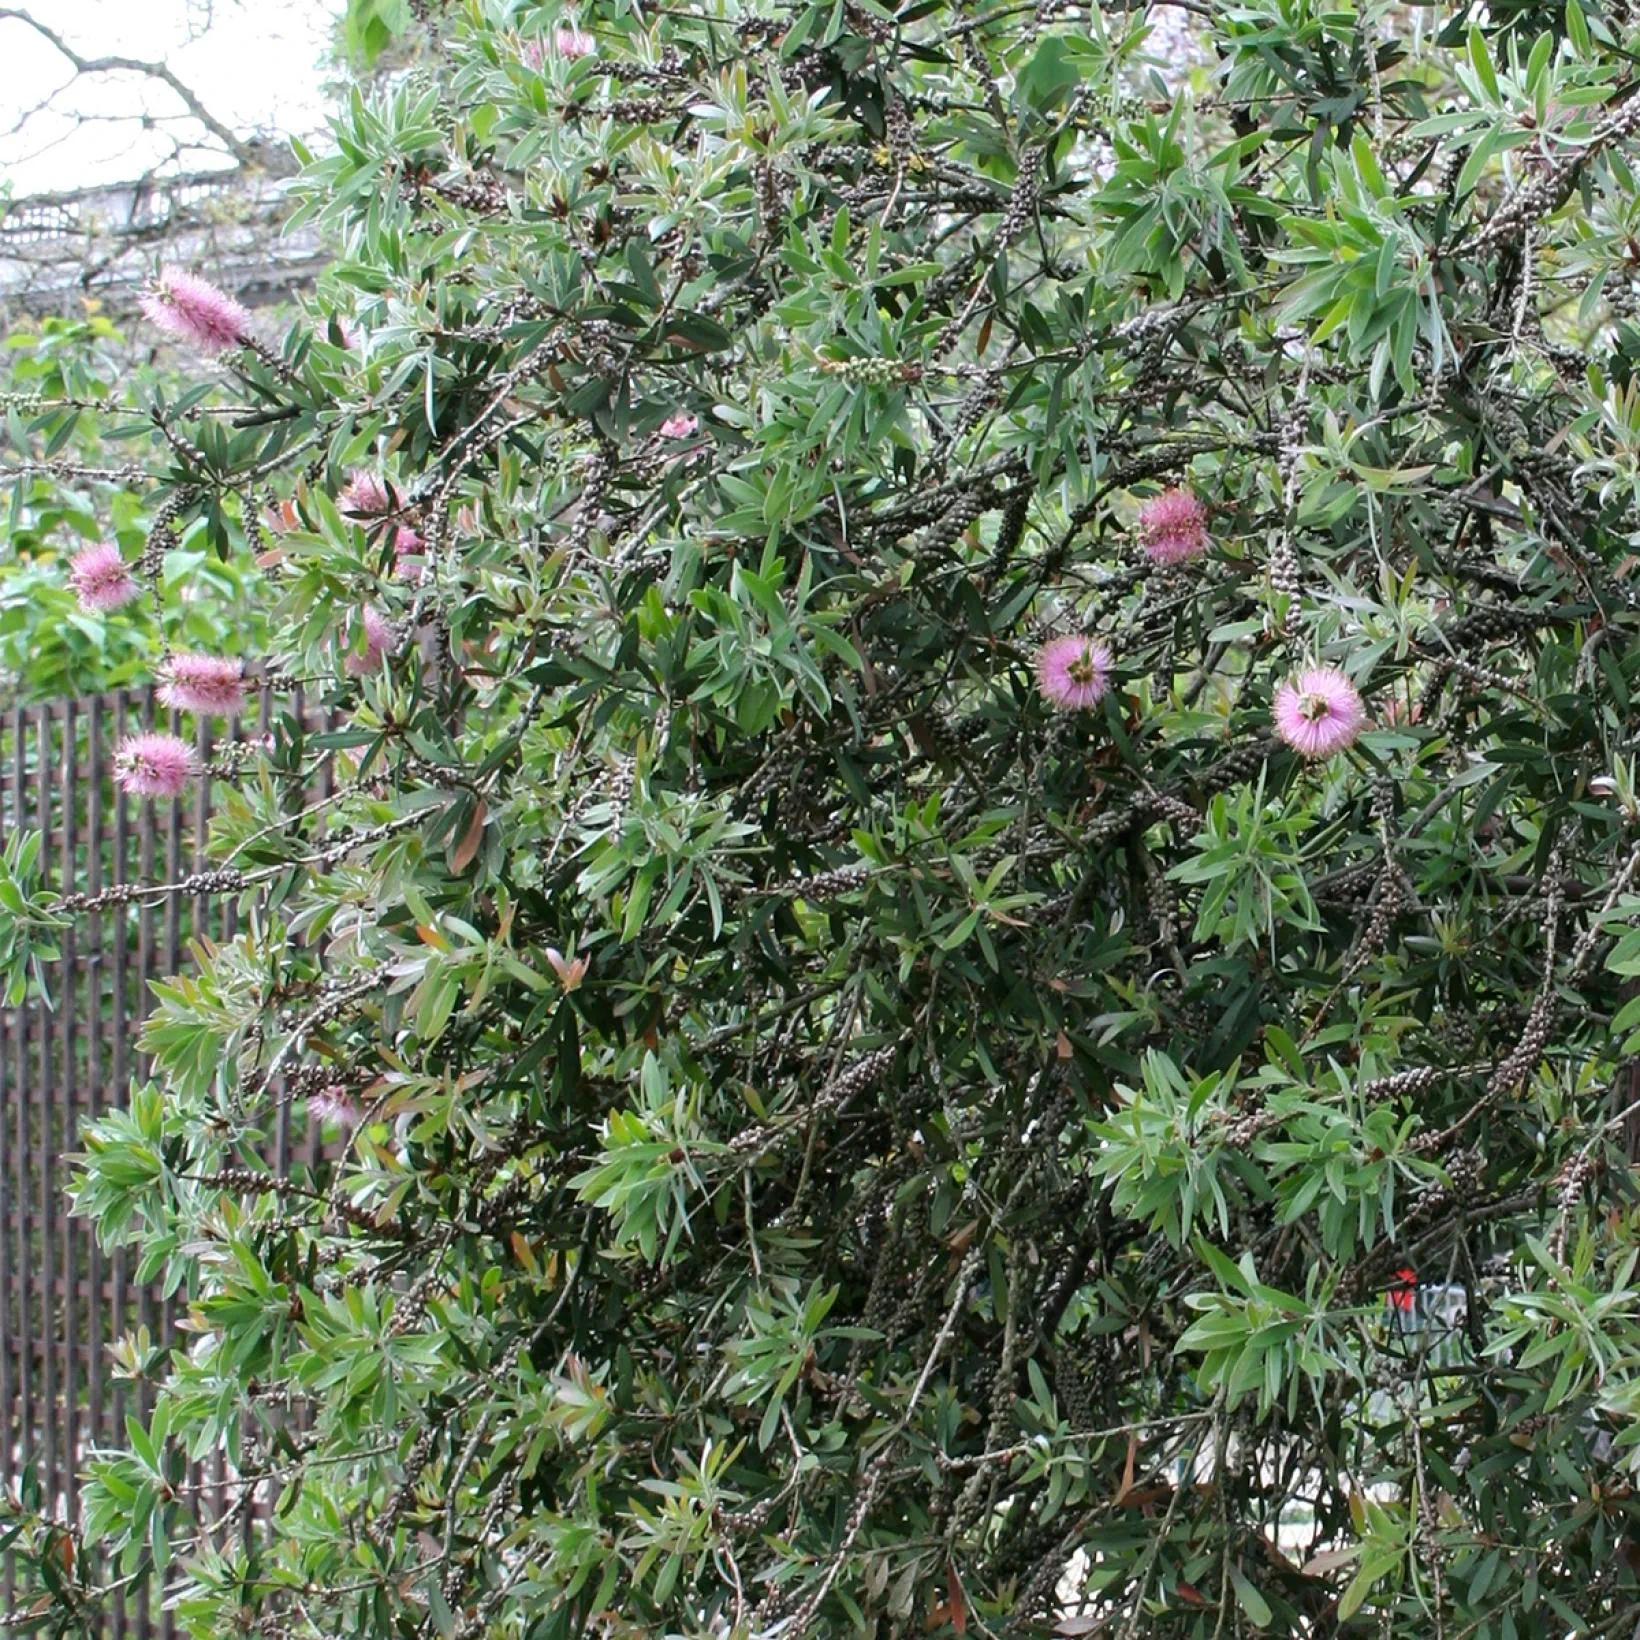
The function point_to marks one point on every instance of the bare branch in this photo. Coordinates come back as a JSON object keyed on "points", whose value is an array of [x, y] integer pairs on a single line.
{"points": [[245, 152]]}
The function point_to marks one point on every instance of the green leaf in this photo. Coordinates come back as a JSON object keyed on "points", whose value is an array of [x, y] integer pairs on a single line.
{"points": [[1481, 62], [1250, 1600]]}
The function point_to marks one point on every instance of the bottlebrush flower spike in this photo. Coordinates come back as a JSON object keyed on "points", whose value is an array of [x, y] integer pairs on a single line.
{"points": [[102, 578], [408, 564], [365, 496], [378, 639], [568, 42], [1174, 525], [570, 970], [211, 684], [194, 311], [680, 424], [1319, 712], [1073, 672], [334, 1104], [154, 765]]}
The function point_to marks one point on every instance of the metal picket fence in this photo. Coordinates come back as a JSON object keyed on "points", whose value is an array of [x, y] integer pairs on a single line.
{"points": [[63, 1301]]}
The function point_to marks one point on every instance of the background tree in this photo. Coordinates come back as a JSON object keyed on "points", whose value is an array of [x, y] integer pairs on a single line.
{"points": [[165, 119], [969, 958]]}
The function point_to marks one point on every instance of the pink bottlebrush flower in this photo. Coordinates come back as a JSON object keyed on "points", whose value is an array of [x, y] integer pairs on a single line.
{"points": [[567, 42], [102, 578], [212, 684], [193, 311], [154, 765], [680, 424], [1073, 672], [1174, 525], [365, 496], [334, 1104], [408, 564], [570, 970], [1319, 712], [378, 639]]}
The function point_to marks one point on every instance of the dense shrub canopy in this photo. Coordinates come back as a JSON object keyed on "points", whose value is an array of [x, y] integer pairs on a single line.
{"points": [[840, 1127]]}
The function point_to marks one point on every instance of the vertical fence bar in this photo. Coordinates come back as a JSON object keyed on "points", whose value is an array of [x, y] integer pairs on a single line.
{"points": [[171, 960], [26, 1322], [12, 1338], [67, 1140], [100, 1324], [281, 1120], [146, 1317], [51, 1409], [119, 1063]]}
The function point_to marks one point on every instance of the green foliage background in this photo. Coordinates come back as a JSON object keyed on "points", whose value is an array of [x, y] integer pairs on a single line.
{"points": [[967, 1186], [75, 394]]}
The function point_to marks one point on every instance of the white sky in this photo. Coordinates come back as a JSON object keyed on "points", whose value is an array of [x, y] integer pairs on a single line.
{"points": [[254, 64]]}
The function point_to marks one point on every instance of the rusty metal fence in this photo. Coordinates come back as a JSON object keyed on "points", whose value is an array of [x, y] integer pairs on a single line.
{"points": [[63, 1301]]}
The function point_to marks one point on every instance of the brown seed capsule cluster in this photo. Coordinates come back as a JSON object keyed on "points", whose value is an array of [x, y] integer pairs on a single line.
{"points": [[231, 757], [1246, 1125], [1405, 1084], [630, 110], [979, 398], [1237, 765], [1485, 623], [1388, 898], [415, 1462], [1022, 202], [247, 1180], [596, 472], [1177, 812], [621, 784], [1540, 195], [410, 1309], [899, 129], [1523, 1060], [771, 197], [477, 191], [115, 894], [780, 771], [162, 535], [1284, 581], [860, 1075], [947, 529], [1016, 512], [223, 881], [1466, 1172], [1162, 904], [1574, 1178], [825, 885]]}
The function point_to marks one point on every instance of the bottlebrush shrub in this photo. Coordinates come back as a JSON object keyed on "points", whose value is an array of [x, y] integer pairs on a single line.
{"points": [[832, 1140]]}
